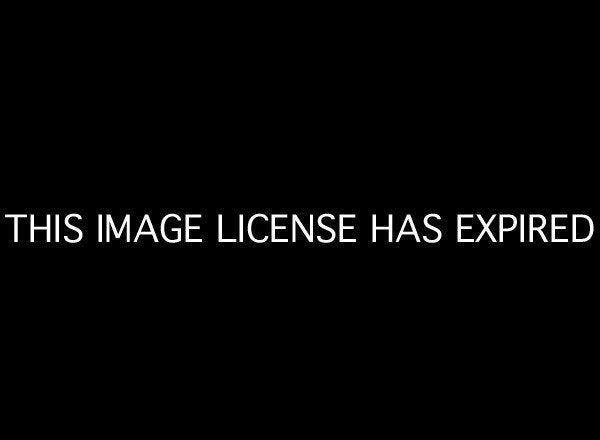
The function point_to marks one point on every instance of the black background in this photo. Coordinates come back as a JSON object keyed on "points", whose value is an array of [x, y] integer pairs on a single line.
{"points": [[386, 112]]}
